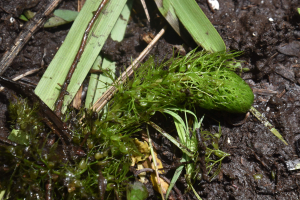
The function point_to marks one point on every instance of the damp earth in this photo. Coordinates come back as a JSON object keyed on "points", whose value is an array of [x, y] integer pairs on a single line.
{"points": [[268, 33]]}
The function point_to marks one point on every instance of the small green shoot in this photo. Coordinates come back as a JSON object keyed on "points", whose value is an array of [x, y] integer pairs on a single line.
{"points": [[187, 136], [61, 17], [213, 155], [187, 139]]}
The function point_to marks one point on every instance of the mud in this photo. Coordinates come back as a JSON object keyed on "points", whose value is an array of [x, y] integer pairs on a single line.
{"points": [[267, 31]]}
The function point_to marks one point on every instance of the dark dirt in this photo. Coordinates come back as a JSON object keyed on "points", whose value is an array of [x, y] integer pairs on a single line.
{"points": [[267, 31]]}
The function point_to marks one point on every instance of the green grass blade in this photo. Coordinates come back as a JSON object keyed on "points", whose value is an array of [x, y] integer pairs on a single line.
{"points": [[104, 81], [182, 147], [118, 32], [93, 83], [48, 89], [175, 178], [99, 83], [68, 15], [167, 10], [194, 20], [179, 121]]}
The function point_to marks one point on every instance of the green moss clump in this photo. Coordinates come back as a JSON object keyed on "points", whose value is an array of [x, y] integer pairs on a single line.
{"points": [[200, 79], [106, 144]]}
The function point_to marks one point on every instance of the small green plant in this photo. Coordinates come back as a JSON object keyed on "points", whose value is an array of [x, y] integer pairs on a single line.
{"points": [[213, 154], [202, 144]]}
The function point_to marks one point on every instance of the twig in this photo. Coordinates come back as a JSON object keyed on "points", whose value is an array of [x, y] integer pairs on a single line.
{"points": [[155, 166], [30, 28], [137, 172], [146, 10], [49, 189], [7, 141], [102, 101], [21, 76], [63, 91], [243, 121]]}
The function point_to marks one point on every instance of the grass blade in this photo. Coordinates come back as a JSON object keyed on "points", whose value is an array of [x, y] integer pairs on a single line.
{"points": [[194, 20], [118, 32], [58, 69], [97, 88], [175, 178], [104, 82], [93, 83], [182, 147], [267, 124]]}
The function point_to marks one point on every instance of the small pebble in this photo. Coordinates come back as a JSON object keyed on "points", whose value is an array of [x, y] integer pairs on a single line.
{"points": [[214, 4], [12, 20]]}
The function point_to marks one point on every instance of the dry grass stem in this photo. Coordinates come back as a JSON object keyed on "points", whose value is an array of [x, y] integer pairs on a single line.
{"points": [[146, 10], [22, 76], [103, 100]]}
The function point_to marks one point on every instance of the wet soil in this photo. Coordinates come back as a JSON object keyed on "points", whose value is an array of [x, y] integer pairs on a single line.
{"points": [[267, 31]]}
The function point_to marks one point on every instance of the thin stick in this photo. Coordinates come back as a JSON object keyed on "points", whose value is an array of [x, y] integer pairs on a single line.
{"points": [[146, 10], [155, 165], [63, 91], [30, 28], [102, 101], [22, 76]]}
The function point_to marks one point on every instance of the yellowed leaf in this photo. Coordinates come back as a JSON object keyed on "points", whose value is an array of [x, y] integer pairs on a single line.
{"points": [[144, 148]]}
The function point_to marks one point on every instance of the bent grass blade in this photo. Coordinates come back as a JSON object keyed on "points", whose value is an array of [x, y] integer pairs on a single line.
{"points": [[194, 20], [267, 124]]}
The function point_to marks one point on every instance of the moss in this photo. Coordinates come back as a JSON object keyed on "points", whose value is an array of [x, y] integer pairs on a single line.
{"points": [[200, 79]]}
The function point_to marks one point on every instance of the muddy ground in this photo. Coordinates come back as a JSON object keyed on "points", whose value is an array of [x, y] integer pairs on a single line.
{"points": [[268, 31]]}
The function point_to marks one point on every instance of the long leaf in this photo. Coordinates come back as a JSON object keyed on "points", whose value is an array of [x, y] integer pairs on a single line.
{"points": [[48, 88], [194, 20]]}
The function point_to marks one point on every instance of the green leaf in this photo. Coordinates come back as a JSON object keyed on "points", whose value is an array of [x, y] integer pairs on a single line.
{"points": [[136, 191], [22, 17], [104, 80], [175, 178], [99, 83], [19, 137], [93, 83], [55, 21], [48, 88], [118, 32], [194, 20], [67, 15]]}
